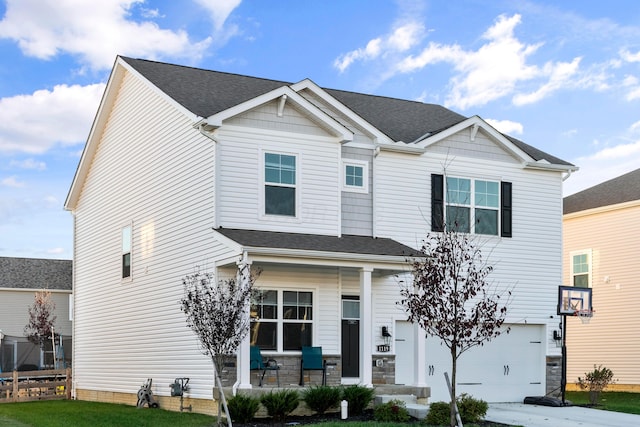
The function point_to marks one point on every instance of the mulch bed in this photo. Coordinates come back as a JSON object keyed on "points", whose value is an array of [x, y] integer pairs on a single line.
{"points": [[334, 416]]}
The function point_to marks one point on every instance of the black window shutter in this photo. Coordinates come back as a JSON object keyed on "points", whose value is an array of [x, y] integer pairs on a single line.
{"points": [[505, 211], [437, 202]]}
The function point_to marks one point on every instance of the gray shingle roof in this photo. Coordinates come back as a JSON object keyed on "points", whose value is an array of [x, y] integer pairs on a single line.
{"points": [[34, 273], [624, 188], [314, 242], [205, 92]]}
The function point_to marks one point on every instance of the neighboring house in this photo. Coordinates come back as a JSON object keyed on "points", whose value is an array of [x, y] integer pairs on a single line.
{"points": [[601, 240], [20, 279], [327, 192]]}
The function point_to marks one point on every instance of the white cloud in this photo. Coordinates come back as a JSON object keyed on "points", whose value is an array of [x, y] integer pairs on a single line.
{"points": [[28, 164], [494, 70], [96, 31], [401, 39], [633, 94], [630, 57], [12, 181], [603, 165], [34, 123], [506, 126], [219, 10]]}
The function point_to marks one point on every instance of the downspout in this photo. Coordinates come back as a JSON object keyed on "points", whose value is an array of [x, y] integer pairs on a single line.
{"points": [[564, 178]]}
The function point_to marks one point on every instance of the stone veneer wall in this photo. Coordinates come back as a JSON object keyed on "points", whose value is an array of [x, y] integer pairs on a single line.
{"points": [[554, 376], [386, 372]]}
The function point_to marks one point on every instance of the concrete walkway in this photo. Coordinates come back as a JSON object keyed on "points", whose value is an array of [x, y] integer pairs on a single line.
{"points": [[519, 414]]}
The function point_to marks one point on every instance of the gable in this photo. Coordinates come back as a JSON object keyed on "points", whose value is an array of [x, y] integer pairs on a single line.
{"points": [[480, 146], [267, 116]]}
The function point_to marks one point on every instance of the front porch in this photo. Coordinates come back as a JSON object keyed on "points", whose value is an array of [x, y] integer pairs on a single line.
{"points": [[383, 374]]}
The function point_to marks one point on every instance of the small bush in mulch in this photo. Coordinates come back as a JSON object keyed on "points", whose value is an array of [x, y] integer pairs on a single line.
{"points": [[243, 408], [322, 398], [392, 411], [280, 404]]}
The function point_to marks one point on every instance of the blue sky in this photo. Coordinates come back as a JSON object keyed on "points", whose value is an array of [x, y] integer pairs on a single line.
{"points": [[561, 76]]}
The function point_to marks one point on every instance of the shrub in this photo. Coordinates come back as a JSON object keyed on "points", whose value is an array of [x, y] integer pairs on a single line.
{"points": [[321, 398], [280, 404], [392, 411], [243, 408], [596, 381], [358, 398], [471, 410], [439, 414]]}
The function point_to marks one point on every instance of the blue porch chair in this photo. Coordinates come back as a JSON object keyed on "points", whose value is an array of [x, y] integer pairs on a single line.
{"points": [[312, 361], [257, 364]]}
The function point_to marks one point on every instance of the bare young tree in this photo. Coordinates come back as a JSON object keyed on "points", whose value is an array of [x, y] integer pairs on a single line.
{"points": [[218, 312], [449, 297], [41, 318]]}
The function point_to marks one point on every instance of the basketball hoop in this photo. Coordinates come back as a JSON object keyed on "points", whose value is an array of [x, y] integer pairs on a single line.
{"points": [[584, 315]]}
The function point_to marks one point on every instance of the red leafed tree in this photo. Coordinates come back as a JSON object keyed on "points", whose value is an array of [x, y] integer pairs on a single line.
{"points": [[450, 299], [41, 318]]}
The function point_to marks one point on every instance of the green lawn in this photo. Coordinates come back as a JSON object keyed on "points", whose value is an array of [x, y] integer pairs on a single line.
{"points": [[610, 401], [64, 413]]}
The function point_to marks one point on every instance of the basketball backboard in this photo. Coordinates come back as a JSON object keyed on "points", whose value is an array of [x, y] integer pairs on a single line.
{"points": [[572, 299]]}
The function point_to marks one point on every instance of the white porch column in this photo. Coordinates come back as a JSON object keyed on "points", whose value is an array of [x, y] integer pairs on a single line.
{"points": [[243, 369], [366, 327], [420, 356]]}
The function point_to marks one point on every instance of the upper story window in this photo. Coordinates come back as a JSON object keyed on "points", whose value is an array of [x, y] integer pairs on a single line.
{"points": [[126, 252], [280, 184], [471, 205], [282, 320], [355, 176], [581, 269]]}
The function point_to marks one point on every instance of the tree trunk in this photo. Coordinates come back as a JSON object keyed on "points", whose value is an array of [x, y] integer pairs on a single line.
{"points": [[223, 400], [452, 405]]}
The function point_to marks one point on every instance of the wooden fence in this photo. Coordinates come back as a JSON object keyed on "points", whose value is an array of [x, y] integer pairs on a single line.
{"points": [[35, 385]]}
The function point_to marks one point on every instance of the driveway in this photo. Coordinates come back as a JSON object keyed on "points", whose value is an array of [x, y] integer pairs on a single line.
{"points": [[519, 414]]}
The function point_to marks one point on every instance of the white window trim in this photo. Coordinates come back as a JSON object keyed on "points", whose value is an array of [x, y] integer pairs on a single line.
{"points": [[263, 182], [365, 176], [130, 277], [588, 253], [472, 203], [280, 321]]}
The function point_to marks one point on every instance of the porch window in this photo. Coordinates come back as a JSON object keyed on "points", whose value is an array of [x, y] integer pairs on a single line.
{"points": [[264, 320], [298, 319], [282, 320]]}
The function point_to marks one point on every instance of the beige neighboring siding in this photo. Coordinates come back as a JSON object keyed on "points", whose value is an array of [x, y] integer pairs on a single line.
{"points": [[611, 338], [154, 171], [14, 315]]}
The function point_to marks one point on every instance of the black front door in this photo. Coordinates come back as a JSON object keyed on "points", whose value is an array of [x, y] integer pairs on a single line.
{"points": [[350, 348]]}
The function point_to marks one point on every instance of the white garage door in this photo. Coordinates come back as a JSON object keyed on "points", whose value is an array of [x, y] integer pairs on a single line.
{"points": [[506, 369]]}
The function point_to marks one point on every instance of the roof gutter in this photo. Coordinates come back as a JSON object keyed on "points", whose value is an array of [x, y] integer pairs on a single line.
{"points": [[307, 254], [550, 167]]}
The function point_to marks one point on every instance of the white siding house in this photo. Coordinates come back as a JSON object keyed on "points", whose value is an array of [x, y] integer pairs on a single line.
{"points": [[328, 193], [20, 280]]}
